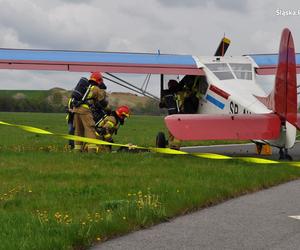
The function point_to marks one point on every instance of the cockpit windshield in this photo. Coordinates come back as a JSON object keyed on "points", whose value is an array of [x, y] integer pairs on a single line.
{"points": [[242, 70], [221, 70], [234, 70]]}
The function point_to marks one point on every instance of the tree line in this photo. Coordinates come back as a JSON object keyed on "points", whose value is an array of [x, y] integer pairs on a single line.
{"points": [[43, 105]]}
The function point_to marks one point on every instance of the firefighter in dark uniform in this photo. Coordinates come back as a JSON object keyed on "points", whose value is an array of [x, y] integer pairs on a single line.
{"points": [[173, 100], [109, 125], [83, 117]]}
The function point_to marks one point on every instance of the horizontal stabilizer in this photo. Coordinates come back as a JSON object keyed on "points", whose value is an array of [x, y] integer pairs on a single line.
{"points": [[224, 127], [89, 61]]}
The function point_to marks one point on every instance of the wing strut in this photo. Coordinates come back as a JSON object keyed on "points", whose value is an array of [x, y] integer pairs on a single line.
{"points": [[130, 86]]}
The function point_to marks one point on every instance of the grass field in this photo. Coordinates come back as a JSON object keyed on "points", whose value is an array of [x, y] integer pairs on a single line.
{"points": [[51, 198]]}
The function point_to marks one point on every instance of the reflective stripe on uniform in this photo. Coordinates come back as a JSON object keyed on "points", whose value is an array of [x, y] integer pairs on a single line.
{"points": [[78, 147], [90, 94], [85, 106], [111, 124], [92, 146], [107, 136]]}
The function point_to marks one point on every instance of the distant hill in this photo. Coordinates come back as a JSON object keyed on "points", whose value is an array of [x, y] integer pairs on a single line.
{"points": [[55, 100]]}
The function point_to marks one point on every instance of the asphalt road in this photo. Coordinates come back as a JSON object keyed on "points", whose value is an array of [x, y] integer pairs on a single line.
{"points": [[256, 221]]}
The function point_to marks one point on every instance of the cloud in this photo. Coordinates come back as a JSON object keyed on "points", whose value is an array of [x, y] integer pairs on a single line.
{"points": [[183, 27], [221, 4]]}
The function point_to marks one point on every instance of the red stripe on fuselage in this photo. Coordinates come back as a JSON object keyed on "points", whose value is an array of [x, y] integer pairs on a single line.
{"points": [[218, 91]]}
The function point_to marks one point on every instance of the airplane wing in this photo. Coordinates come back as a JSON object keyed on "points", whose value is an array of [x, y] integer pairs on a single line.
{"points": [[88, 61], [224, 127], [267, 63]]}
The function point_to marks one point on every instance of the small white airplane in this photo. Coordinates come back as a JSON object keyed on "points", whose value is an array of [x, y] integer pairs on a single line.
{"points": [[233, 106]]}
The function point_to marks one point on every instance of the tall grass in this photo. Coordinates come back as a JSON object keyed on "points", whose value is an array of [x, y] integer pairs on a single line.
{"points": [[51, 198]]}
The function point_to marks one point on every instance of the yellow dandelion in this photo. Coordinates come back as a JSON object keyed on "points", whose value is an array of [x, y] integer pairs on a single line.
{"points": [[98, 238], [124, 218], [29, 191]]}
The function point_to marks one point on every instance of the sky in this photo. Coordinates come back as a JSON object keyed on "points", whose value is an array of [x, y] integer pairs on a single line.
{"points": [[173, 26]]}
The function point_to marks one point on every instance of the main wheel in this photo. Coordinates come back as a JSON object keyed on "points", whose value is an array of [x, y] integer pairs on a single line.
{"points": [[161, 141], [283, 155]]}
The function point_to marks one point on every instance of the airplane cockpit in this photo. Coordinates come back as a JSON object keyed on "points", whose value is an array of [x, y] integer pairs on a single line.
{"points": [[190, 90], [226, 71], [229, 68]]}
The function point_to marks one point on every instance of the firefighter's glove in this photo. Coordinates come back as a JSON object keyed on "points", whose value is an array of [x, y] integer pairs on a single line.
{"points": [[101, 131]]}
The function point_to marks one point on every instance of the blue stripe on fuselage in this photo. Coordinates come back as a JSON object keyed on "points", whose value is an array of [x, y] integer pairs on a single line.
{"points": [[215, 101]]}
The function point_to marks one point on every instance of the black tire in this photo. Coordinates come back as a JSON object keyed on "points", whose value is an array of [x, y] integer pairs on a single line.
{"points": [[161, 141]]}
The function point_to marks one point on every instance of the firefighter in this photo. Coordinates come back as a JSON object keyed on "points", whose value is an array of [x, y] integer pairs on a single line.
{"points": [[109, 125], [70, 121], [102, 108], [92, 96], [173, 100]]}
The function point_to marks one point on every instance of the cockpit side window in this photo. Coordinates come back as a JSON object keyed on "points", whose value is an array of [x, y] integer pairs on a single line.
{"points": [[242, 70], [221, 70]]}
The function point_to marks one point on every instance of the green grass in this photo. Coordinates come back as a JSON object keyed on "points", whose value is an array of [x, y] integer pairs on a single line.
{"points": [[54, 199]]}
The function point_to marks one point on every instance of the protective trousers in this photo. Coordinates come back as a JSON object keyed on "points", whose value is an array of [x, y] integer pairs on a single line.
{"points": [[85, 126]]}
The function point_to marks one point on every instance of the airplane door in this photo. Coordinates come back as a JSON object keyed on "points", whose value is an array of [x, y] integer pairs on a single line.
{"points": [[202, 88]]}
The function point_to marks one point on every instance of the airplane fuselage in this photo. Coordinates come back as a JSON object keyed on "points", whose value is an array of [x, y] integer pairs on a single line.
{"points": [[233, 89]]}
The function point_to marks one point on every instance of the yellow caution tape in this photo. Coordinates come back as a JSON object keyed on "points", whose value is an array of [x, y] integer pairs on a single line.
{"points": [[295, 164], [212, 156], [167, 151], [151, 149], [257, 160]]}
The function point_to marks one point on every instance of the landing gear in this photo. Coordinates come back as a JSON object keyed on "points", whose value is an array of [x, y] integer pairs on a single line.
{"points": [[161, 141], [283, 155], [259, 147]]}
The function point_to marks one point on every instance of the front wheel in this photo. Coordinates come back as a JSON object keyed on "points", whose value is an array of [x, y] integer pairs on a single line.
{"points": [[161, 141]]}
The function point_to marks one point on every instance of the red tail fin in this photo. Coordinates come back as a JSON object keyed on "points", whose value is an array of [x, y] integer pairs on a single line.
{"points": [[283, 99], [285, 91]]}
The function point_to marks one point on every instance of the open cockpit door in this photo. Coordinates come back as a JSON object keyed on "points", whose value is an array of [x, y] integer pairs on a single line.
{"points": [[185, 96]]}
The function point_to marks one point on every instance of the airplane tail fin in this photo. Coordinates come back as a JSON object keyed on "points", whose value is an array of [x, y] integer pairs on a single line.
{"points": [[283, 98], [285, 90]]}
